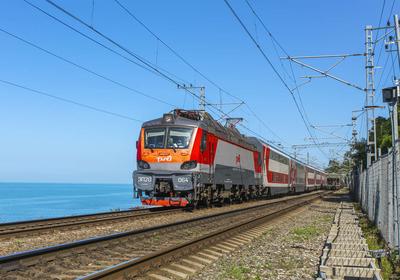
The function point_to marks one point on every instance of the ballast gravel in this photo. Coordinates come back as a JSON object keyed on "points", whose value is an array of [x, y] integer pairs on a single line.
{"points": [[289, 249], [60, 236]]}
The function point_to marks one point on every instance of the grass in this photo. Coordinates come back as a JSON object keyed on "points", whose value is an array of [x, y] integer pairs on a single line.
{"points": [[18, 242], [238, 272], [326, 218], [390, 265], [305, 233]]}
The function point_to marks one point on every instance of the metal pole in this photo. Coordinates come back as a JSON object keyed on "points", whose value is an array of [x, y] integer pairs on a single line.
{"points": [[395, 136], [354, 132], [370, 93], [202, 99]]}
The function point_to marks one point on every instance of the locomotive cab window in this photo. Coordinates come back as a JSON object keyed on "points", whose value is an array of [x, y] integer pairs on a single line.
{"points": [[179, 137], [154, 138]]}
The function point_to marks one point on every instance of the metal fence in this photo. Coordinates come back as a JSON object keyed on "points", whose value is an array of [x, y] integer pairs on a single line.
{"points": [[377, 189]]}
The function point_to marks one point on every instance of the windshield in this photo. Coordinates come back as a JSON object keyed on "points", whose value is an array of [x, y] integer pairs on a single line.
{"points": [[154, 138], [177, 137]]}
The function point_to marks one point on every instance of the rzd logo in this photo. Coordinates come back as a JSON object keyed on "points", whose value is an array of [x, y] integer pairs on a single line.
{"points": [[167, 158]]}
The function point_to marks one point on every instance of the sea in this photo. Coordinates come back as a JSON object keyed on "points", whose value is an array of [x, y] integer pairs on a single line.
{"points": [[27, 201]]}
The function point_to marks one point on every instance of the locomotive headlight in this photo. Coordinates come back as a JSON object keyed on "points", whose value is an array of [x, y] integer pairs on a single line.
{"points": [[189, 165], [142, 164]]}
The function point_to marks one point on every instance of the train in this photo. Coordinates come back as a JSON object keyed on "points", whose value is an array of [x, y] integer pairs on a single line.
{"points": [[187, 158]]}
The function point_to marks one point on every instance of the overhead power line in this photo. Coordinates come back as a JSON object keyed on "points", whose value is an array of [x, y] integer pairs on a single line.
{"points": [[146, 63], [115, 43], [276, 42], [190, 65], [166, 45], [270, 64], [140, 59], [84, 68], [98, 42], [69, 101]]}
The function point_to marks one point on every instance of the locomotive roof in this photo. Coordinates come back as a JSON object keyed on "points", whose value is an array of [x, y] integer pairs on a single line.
{"points": [[205, 121]]}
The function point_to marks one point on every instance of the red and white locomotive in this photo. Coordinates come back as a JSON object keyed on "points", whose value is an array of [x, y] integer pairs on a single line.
{"points": [[187, 158]]}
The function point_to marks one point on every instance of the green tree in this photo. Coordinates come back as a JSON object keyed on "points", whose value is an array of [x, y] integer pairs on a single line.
{"points": [[334, 166], [383, 134], [357, 154]]}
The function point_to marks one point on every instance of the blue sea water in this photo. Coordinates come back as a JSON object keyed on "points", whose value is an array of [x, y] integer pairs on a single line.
{"points": [[26, 201]]}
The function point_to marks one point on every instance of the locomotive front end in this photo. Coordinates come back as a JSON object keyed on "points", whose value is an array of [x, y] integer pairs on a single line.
{"points": [[166, 171]]}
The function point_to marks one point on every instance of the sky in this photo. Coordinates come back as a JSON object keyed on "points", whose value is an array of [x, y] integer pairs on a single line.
{"points": [[43, 139]]}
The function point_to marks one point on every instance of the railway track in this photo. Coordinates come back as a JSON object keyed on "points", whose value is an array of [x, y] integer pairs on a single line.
{"points": [[31, 227], [134, 252]]}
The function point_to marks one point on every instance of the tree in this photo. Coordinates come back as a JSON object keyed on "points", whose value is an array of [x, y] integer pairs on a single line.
{"points": [[383, 134], [334, 166], [357, 154], [385, 144]]}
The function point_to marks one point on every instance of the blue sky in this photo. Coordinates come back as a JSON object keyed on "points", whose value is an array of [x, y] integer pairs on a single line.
{"points": [[46, 140]]}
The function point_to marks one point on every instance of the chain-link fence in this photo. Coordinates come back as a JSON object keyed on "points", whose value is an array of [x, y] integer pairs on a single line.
{"points": [[377, 191]]}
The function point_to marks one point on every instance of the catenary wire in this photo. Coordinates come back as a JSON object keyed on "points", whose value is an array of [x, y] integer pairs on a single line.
{"points": [[273, 68], [222, 113], [115, 43], [98, 42], [84, 68], [195, 69], [95, 41], [69, 101]]}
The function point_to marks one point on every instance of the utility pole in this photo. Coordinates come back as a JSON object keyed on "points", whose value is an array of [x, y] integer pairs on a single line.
{"points": [[370, 94], [395, 119], [395, 137]]}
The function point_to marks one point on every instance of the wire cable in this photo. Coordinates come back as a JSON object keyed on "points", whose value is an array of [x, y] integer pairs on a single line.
{"points": [[97, 42], [115, 43], [190, 65], [84, 68], [272, 66], [69, 101], [222, 113], [146, 63]]}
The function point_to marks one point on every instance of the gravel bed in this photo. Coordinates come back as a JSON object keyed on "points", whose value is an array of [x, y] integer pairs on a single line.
{"points": [[126, 249], [290, 249], [59, 236]]}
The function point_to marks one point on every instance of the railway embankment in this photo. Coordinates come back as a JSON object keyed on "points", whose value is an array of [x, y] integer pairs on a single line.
{"points": [[138, 252], [69, 232], [288, 248]]}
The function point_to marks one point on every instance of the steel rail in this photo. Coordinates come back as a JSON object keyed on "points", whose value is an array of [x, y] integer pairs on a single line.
{"points": [[22, 259], [138, 266], [33, 226]]}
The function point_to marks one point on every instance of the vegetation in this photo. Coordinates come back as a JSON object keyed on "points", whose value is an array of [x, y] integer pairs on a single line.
{"points": [[357, 155], [238, 272], [383, 134], [390, 264], [305, 233]]}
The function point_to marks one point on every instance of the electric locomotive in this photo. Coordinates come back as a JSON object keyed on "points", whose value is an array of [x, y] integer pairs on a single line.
{"points": [[186, 158]]}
